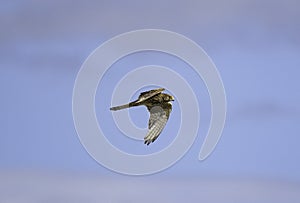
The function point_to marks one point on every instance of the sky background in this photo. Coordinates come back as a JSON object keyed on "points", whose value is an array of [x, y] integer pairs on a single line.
{"points": [[254, 44]]}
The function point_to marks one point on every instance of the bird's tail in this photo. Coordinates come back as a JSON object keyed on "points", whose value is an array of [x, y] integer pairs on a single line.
{"points": [[116, 108]]}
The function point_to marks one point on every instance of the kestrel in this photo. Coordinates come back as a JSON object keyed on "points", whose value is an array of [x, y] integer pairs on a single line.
{"points": [[159, 105]]}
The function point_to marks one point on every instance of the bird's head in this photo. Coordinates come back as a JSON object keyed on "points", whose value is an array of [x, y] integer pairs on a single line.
{"points": [[168, 97], [171, 98]]}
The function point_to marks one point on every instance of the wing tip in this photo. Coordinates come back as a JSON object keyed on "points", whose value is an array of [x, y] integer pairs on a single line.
{"points": [[150, 140], [116, 108], [113, 109]]}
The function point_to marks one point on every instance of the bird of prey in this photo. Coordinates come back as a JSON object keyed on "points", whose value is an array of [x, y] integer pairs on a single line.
{"points": [[159, 105]]}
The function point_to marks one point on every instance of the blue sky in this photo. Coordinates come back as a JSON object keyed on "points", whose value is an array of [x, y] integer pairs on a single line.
{"points": [[254, 44]]}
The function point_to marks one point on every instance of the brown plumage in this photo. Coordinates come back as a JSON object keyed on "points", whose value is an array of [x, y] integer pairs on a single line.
{"points": [[159, 105]]}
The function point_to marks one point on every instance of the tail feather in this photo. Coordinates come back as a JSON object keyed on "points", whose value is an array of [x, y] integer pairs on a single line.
{"points": [[116, 108]]}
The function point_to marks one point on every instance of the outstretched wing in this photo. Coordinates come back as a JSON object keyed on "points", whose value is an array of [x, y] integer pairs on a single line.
{"points": [[159, 116], [143, 96], [147, 95], [116, 108]]}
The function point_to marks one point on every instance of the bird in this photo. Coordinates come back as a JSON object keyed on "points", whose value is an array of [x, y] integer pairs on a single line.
{"points": [[159, 106]]}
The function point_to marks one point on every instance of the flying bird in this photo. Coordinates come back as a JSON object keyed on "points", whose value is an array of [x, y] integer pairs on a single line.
{"points": [[159, 106]]}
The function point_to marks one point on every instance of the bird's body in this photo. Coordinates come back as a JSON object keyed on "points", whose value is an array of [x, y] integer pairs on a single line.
{"points": [[159, 105]]}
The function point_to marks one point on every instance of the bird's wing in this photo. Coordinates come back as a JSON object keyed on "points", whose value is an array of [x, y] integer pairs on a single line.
{"points": [[116, 108], [143, 96], [147, 95], [159, 116]]}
